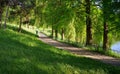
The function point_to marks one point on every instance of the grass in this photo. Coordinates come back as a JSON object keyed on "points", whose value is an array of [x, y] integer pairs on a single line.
{"points": [[24, 53]]}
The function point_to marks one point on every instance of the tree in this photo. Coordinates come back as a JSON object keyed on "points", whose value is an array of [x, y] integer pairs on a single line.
{"points": [[6, 16], [88, 23], [1, 11]]}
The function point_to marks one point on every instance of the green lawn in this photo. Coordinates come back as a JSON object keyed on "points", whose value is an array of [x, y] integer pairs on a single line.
{"points": [[23, 53]]}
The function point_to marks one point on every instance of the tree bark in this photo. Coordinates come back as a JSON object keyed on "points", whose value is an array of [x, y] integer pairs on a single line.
{"points": [[6, 17], [0, 20], [88, 24], [52, 32], [62, 34], [19, 29], [27, 22], [105, 36], [105, 25], [56, 34]]}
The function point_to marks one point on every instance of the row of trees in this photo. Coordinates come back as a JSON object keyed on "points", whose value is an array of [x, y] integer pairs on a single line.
{"points": [[82, 21], [70, 16]]}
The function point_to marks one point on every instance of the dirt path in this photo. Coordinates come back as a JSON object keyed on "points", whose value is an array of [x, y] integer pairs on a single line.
{"points": [[79, 51]]}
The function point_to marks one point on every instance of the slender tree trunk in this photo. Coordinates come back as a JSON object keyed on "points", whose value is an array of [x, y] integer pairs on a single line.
{"points": [[62, 34], [52, 32], [27, 21], [56, 34], [105, 36], [0, 20], [6, 17], [19, 29], [88, 24]]}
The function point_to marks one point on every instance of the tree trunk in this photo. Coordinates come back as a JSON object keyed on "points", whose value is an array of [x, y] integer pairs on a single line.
{"points": [[88, 24], [52, 32], [0, 17], [19, 29], [27, 22], [105, 36], [0, 20], [56, 34], [62, 34], [6, 17]]}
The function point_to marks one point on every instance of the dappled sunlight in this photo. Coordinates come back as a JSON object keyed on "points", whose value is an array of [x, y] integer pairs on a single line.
{"points": [[67, 68], [24, 60], [27, 55], [59, 36]]}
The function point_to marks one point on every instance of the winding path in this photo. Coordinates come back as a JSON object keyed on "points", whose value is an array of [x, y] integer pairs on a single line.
{"points": [[80, 51]]}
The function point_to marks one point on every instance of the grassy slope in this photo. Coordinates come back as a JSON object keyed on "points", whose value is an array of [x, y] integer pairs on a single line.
{"points": [[23, 53]]}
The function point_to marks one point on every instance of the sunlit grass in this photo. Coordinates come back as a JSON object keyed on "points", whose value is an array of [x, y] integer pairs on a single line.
{"points": [[24, 53]]}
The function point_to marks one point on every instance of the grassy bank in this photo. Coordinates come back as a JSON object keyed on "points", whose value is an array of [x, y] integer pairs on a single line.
{"points": [[23, 53]]}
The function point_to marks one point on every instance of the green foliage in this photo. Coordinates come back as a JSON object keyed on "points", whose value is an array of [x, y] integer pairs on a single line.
{"points": [[68, 15], [97, 22]]}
